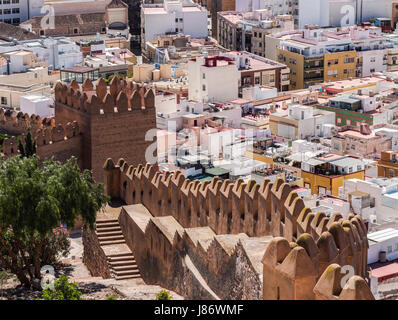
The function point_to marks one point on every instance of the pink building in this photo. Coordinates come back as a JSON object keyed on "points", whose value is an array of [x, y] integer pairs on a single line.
{"points": [[360, 141]]}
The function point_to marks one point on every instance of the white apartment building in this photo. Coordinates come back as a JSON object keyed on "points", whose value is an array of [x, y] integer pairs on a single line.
{"points": [[385, 240], [173, 17], [213, 79], [249, 5], [17, 11], [336, 13], [57, 52], [383, 193], [370, 45], [300, 122]]}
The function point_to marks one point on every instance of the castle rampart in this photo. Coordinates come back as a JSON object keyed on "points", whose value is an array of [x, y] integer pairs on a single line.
{"points": [[114, 120], [232, 240], [62, 141]]}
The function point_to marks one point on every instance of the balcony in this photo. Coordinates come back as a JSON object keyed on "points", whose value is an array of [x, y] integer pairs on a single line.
{"points": [[312, 79], [312, 68]]}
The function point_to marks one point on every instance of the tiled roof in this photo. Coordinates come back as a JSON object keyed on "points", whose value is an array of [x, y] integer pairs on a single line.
{"points": [[70, 19], [117, 4], [8, 31]]}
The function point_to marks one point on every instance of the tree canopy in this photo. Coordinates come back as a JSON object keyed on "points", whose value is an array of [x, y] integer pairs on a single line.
{"points": [[35, 198]]}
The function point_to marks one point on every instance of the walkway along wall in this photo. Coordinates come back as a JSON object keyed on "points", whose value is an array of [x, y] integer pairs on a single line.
{"points": [[234, 240]]}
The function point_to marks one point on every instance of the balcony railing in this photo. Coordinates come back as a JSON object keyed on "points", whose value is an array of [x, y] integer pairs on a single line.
{"points": [[307, 79]]}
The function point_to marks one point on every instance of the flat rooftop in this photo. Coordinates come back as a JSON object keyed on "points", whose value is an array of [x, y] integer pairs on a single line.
{"points": [[383, 235], [161, 10]]}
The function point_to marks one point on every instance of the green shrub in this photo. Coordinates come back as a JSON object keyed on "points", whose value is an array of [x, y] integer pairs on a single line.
{"points": [[163, 295], [111, 298], [63, 290]]}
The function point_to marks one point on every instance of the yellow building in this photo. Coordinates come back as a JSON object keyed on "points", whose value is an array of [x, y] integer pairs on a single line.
{"points": [[339, 65], [325, 175], [309, 71]]}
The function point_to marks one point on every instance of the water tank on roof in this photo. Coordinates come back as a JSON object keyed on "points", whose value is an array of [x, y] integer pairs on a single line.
{"points": [[382, 256]]}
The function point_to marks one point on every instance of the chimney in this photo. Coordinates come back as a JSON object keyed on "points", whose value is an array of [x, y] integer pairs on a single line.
{"points": [[365, 129]]}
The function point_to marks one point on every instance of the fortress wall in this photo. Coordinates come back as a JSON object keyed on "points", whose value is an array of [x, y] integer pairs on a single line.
{"points": [[17, 123], [233, 208], [307, 243], [115, 120], [94, 257], [60, 141]]}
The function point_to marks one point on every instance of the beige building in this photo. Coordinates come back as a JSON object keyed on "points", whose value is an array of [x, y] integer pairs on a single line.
{"points": [[247, 31], [179, 48], [149, 73], [35, 81]]}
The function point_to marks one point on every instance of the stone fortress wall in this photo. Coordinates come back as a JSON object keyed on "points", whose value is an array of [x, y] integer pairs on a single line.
{"points": [[114, 119], [62, 141], [224, 240]]}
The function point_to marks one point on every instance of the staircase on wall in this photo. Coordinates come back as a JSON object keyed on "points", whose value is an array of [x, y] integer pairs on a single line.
{"points": [[120, 259]]}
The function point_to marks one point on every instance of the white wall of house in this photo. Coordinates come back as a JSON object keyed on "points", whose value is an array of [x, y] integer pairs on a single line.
{"points": [[389, 245], [373, 61], [158, 22], [212, 84], [38, 105]]}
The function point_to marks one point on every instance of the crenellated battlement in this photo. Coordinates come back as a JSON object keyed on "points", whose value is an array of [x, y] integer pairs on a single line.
{"points": [[121, 96], [230, 208], [57, 133], [47, 135], [235, 240], [300, 245], [16, 123]]}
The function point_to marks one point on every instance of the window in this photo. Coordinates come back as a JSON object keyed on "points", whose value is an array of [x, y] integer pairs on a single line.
{"points": [[6, 1], [204, 76], [396, 247], [359, 168], [15, 10], [389, 249], [203, 87], [42, 32], [3, 100], [350, 170], [7, 11], [272, 78], [15, 1], [372, 70], [391, 172], [16, 21], [348, 122], [176, 20]]}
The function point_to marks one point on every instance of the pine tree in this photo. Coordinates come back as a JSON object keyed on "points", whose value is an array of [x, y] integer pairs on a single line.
{"points": [[29, 149]]}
